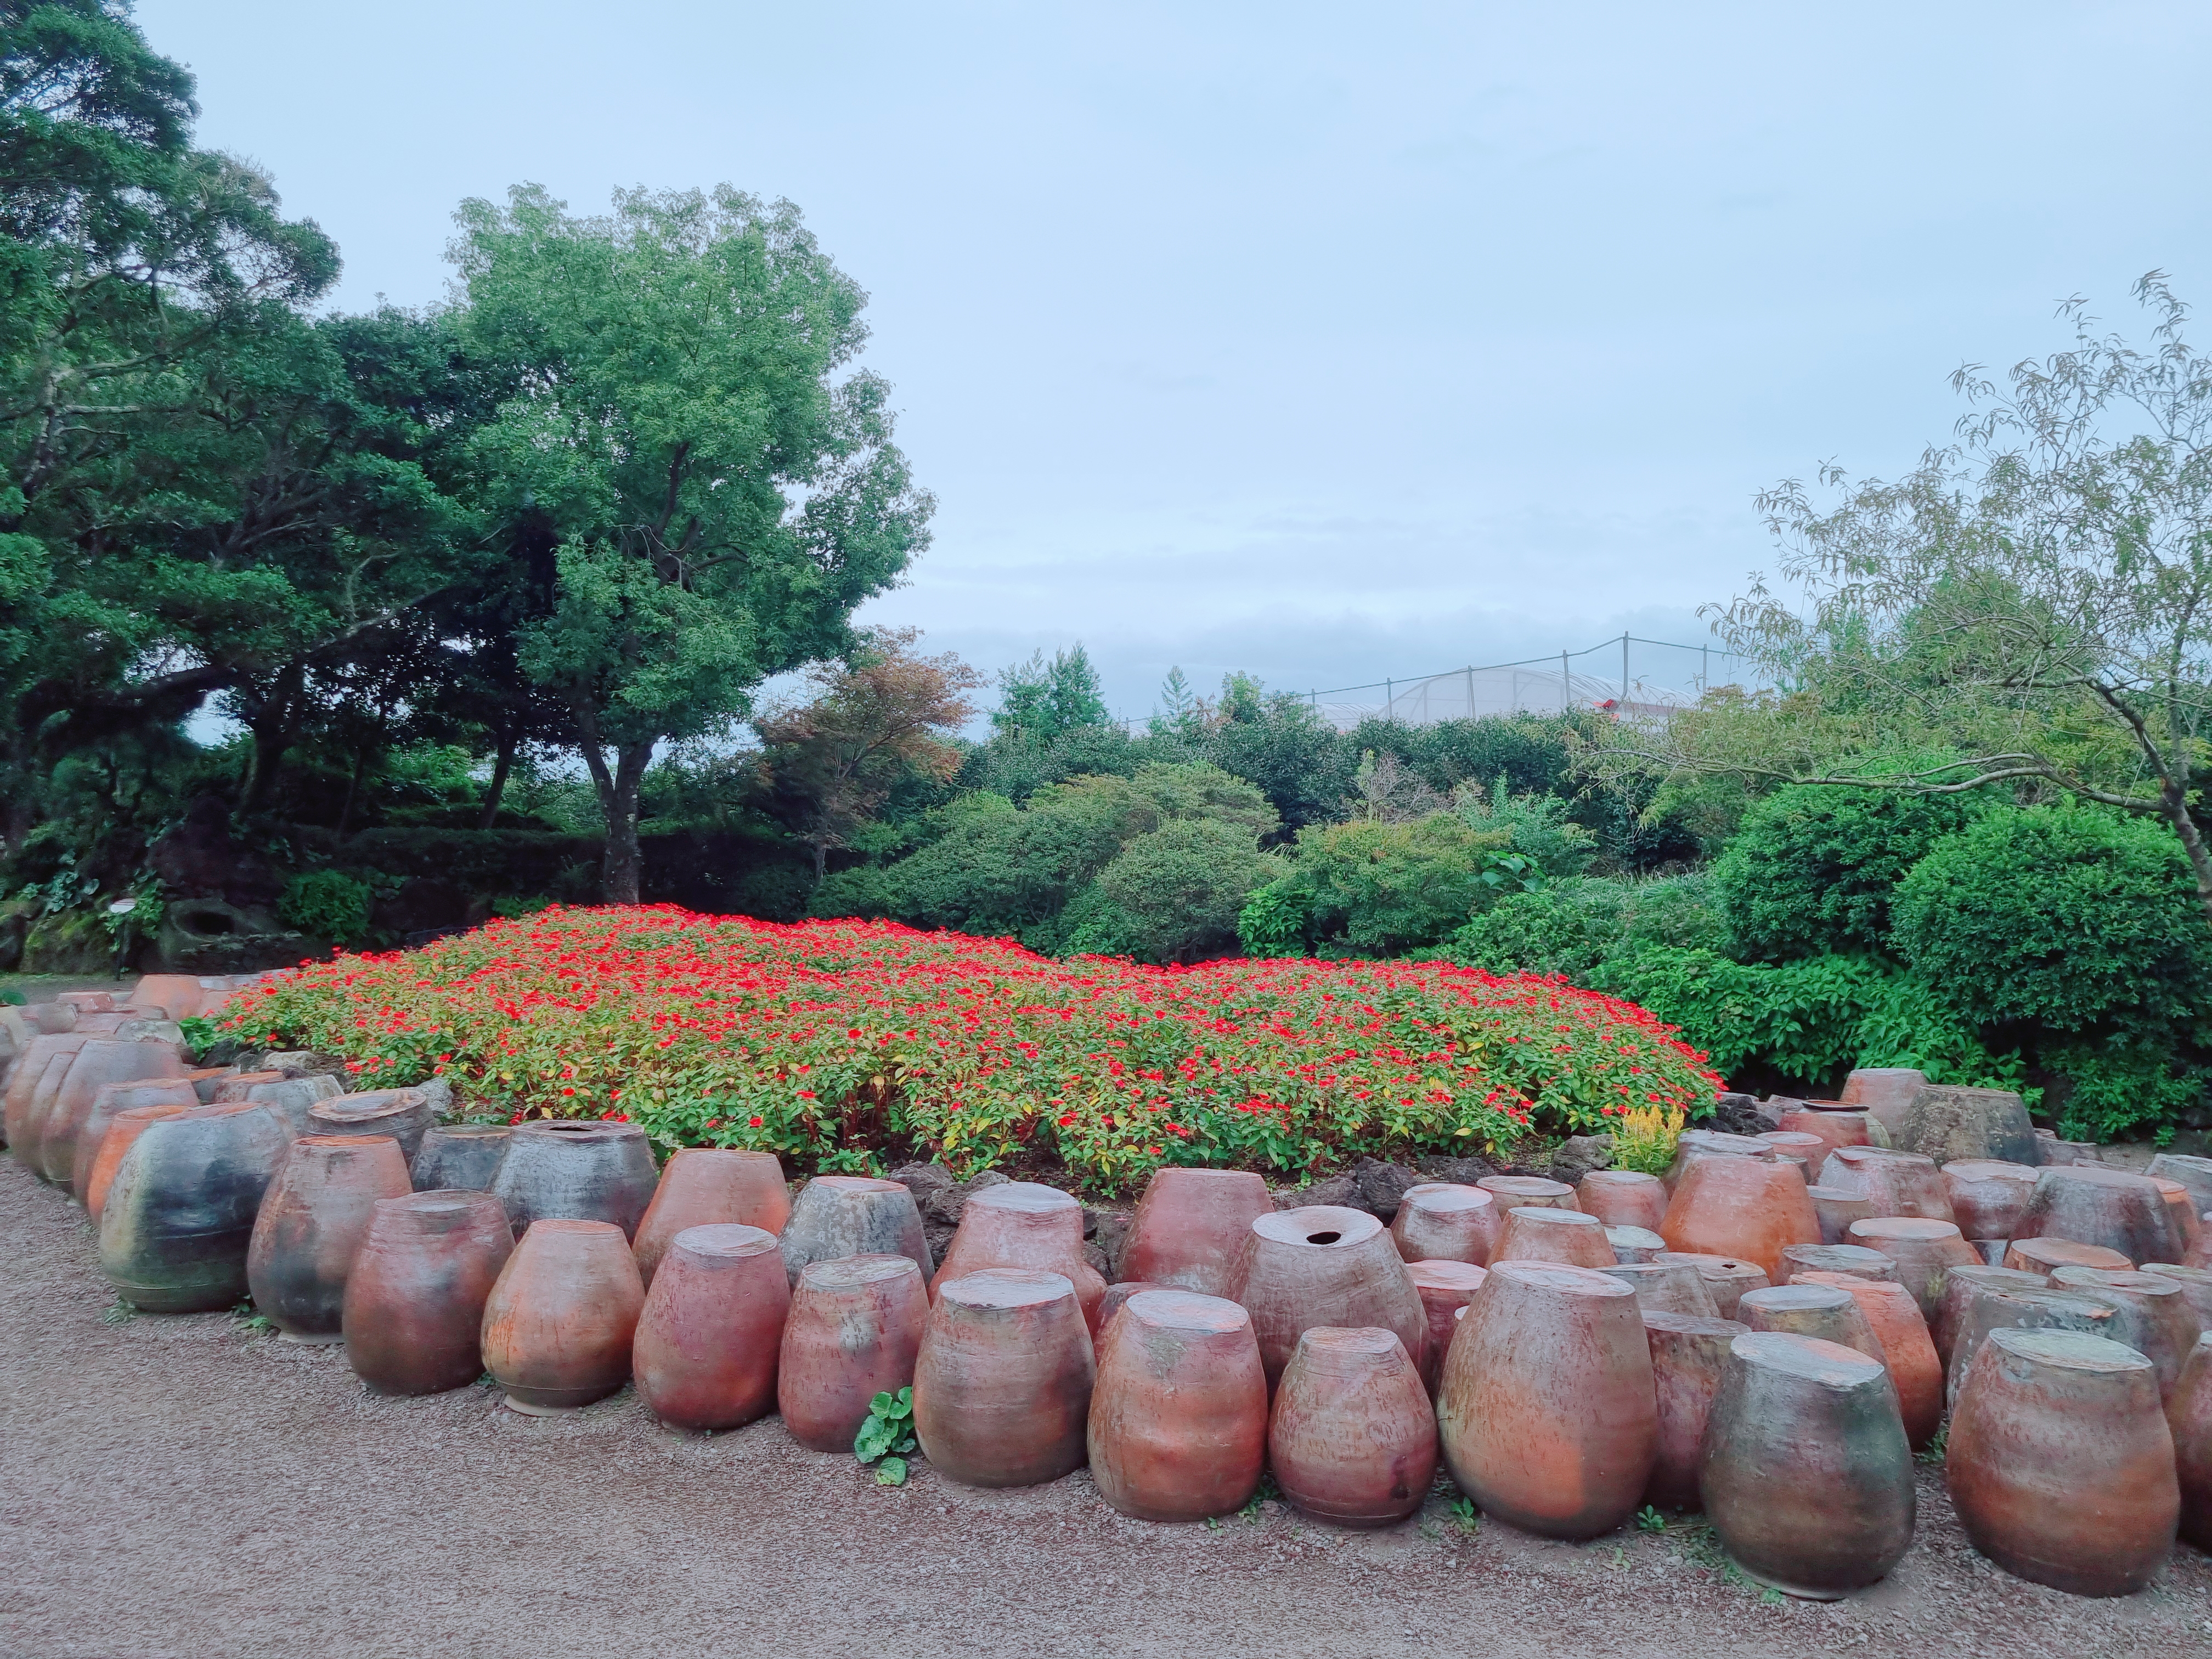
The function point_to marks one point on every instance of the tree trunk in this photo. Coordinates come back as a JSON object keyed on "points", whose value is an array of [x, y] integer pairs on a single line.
{"points": [[622, 872], [353, 790], [821, 859], [500, 768], [271, 724], [2175, 800]]}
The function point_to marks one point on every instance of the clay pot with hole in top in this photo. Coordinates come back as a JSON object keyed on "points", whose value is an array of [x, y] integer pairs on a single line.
{"points": [[852, 1215], [1820, 1311], [413, 1314], [1564, 1236], [1624, 1198], [1178, 1424], [2155, 1316], [111, 1102], [459, 1157], [1352, 1437], [178, 1217], [1189, 1226], [1443, 1221], [560, 1170], [1745, 1208], [2061, 1462], [1896, 1183], [1853, 1259], [1806, 1474], [1444, 1287], [559, 1322], [313, 1219], [1002, 1384], [99, 1063], [1924, 1250], [1907, 1348], [1988, 1198], [1323, 1265], [128, 1125], [1025, 1224], [704, 1355], [1547, 1411], [1689, 1354], [2047, 1255], [706, 1185], [854, 1330], [1518, 1192], [2091, 1204], [1724, 1276], [1675, 1287], [1837, 1209], [2189, 1415]]}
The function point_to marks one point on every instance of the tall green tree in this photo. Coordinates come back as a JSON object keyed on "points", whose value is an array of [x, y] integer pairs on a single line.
{"points": [[1042, 700], [718, 479]]}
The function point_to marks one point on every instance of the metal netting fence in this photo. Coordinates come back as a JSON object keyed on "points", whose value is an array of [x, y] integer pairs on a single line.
{"points": [[1628, 675]]}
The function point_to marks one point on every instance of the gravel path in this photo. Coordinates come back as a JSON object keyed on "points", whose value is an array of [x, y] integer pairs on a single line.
{"points": [[176, 1486]]}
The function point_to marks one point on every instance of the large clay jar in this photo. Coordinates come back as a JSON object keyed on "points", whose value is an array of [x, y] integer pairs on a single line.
{"points": [[109, 1104], [1443, 1221], [238, 1085], [854, 1330], [557, 1170], [1178, 1425], [1694, 1144], [2091, 1204], [1634, 1245], [2189, 1415], [2194, 1173], [1905, 1345], [313, 1219], [2061, 1464], [122, 1134], [403, 1113], [178, 996], [1988, 1198], [1807, 1152], [1563, 1235], [2047, 1256], [705, 1353], [297, 1098], [1854, 1259], [414, 1310], [1444, 1288], [2155, 1317], [459, 1157], [100, 1062], [1884, 1093], [1689, 1355], [1624, 1198], [1923, 1249], [1806, 1474], [1323, 1265], [852, 1215], [1897, 1183], [2021, 1311], [2179, 1205], [1837, 1209], [1675, 1287], [1724, 1276], [1820, 1311], [1117, 1298], [1961, 1286], [1352, 1438], [174, 1230], [1189, 1226], [559, 1323], [703, 1186], [1835, 1128], [1547, 1414], [2195, 1284], [40, 1055], [1745, 1208], [1519, 1192], [1002, 1384], [1024, 1224]]}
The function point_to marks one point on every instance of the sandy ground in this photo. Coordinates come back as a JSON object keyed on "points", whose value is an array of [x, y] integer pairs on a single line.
{"points": [[179, 1486]]}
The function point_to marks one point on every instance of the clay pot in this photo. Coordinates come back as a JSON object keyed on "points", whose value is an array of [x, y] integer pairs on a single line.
{"points": [[1352, 1438], [1748, 1208], [1624, 1198], [403, 1114], [2189, 1415], [1675, 1287], [2194, 1173], [1837, 1209], [1897, 1183], [312, 1218], [1323, 1265], [2195, 1284], [1697, 1144], [854, 1330], [1178, 1424], [88, 1002], [128, 1125], [1117, 1298], [1528, 1192], [1820, 1311], [99, 1062], [178, 996], [1923, 1249], [2155, 1316], [2061, 1464], [1961, 1286], [1002, 1384], [2200, 1253], [237, 1084], [703, 1186], [1884, 1093], [557, 1170], [2047, 1255], [852, 1215], [705, 1353], [1023, 1223], [176, 1222], [2179, 1205], [414, 1309], [2021, 1311], [207, 1079], [23, 1080], [1834, 1128], [1907, 1348], [1634, 1245], [459, 1157], [2093, 1205], [1444, 1288], [1806, 1474], [1987, 1198], [1546, 1411], [1854, 1259], [1443, 1221], [110, 1102], [1564, 1236], [560, 1320], [1725, 1277], [1689, 1353], [297, 1098], [1189, 1226], [1806, 1151]]}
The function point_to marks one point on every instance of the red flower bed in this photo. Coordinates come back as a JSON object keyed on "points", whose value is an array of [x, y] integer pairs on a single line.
{"points": [[825, 1039]]}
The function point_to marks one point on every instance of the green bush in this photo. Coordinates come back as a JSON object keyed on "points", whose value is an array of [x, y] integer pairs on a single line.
{"points": [[2102, 1090], [1379, 889], [327, 904], [1571, 926], [1173, 895], [1537, 827]]}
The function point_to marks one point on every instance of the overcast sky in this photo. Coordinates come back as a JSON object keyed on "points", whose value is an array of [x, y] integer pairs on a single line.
{"points": [[1330, 343]]}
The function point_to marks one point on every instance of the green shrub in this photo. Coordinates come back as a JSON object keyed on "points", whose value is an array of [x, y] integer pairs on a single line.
{"points": [[1537, 827], [1173, 895], [327, 904], [1571, 926], [2103, 1090], [1277, 921], [1379, 889]]}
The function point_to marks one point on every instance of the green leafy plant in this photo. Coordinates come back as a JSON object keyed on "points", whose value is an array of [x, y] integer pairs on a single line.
{"points": [[327, 904], [1267, 1489], [1465, 1515], [886, 1437], [1648, 1519], [1936, 1450], [199, 1032], [251, 1320]]}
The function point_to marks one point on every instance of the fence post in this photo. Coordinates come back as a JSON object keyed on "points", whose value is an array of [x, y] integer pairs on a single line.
{"points": [[1470, 692], [1388, 696], [1624, 671], [1564, 692]]}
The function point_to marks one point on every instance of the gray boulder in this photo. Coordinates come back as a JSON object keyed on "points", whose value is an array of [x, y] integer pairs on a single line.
{"points": [[1579, 1154]]}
